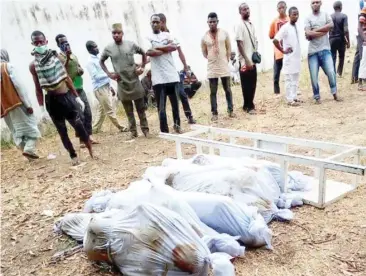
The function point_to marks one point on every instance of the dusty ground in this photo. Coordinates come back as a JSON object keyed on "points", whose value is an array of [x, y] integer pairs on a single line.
{"points": [[317, 242]]}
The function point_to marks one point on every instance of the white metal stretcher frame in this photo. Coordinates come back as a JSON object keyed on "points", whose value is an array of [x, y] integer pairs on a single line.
{"points": [[324, 191]]}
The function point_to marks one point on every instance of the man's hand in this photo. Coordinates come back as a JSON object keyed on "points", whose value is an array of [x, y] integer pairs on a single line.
{"points": [[288, 51], [114, 76], [80, 103], [80, 71], [112, 91], [30, 110], [139, 70], [348, 45]]}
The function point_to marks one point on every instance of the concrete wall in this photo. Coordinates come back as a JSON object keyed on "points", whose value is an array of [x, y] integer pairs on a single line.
{"points": [[91, 20]]}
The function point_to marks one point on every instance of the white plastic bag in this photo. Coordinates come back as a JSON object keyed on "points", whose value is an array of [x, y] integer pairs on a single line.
{"points": [[255, 188], [73, 225], [151, 240], [227, 216], [98, 202], [161, 195]]}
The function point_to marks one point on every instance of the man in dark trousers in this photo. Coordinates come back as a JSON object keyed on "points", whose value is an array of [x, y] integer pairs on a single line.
{"points": [[339, 36], [358, 54], [247, 44], [62, 100], [75, 72], [164, 75], [182, 94]]}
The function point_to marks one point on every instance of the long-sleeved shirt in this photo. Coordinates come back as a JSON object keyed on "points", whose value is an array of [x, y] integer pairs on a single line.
{"points": [[98, 76]]}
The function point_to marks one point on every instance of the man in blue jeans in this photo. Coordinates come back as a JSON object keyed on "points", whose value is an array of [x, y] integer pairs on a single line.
{"points": [[317, 26]]}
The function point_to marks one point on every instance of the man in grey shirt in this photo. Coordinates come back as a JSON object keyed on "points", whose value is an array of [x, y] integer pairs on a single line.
{"points": [[317, 26]]}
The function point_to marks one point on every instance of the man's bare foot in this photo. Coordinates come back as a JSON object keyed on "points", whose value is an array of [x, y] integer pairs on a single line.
{"points": [[90, 149], [294, 103], [336, 98]]}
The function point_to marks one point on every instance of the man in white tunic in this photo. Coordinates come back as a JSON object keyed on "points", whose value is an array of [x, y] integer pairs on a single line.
{"points": [[16, 109], [216, 48], [290, 47]]}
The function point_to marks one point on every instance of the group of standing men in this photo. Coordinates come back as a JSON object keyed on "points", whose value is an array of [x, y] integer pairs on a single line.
{"points": [[60, 74]]}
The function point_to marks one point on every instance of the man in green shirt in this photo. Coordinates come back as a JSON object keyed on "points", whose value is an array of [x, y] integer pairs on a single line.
{"points": [[121, 52], [75, 72]]}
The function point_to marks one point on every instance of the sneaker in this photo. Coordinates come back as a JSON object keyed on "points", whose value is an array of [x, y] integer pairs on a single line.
{"points": [[191, 121], [252, 112], [214, 118], [232, 114], [178, 129]]}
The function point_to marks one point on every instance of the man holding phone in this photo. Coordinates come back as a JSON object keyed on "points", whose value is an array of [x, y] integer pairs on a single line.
{"points": [[75, 72]]}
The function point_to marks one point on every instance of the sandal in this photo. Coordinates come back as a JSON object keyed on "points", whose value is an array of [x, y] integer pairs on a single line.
{"points": [[30, 155]]}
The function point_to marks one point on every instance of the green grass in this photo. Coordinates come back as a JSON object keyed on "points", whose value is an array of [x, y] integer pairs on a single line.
{"points": [[7, 144]]}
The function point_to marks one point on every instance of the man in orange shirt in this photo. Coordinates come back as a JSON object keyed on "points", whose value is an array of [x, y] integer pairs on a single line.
{"points": [[278, 56]]}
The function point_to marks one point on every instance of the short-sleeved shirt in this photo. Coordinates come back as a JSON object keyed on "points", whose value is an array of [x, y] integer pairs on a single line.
{"points": [[122, 57], [163, 68], [218, 49], [245, 32], [72, 69], [273, 30], [289, 36], [314, 21], [340, 21]]}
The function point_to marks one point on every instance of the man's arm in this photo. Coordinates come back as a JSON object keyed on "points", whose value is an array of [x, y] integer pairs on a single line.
{"points": [[239, 37], [278, 45], [139, 50], [228, 47], [182, 58], [327, 27], [272, 30], [204, 48], [71, 86], [168, 48], [38, 87], [346, 31], [248, 62], [154, 53]]}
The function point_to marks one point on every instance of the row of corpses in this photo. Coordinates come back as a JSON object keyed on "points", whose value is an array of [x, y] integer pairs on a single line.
{"points": [[186, 217]]}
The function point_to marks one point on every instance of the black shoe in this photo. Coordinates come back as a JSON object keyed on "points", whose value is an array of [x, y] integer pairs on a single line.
{"points": [[178, 130], [134, 135], [191, 121]]}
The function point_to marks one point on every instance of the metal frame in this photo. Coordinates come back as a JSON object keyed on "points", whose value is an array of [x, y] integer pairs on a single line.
{"points": [[266, 145]]}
